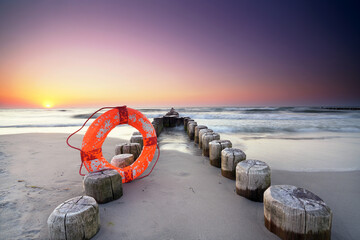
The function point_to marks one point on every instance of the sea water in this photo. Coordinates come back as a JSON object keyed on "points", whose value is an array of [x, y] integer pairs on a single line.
{"points": [[287, 138]]}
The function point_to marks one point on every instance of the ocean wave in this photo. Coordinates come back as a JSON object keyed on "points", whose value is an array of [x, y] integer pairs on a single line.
{"points": [[262, 129], [143, 110], [262, 113], [221, 119], [267, 109], [271, 109], [153, 115], [227, 129], [271, 116], [85, 115], [317, 110]]}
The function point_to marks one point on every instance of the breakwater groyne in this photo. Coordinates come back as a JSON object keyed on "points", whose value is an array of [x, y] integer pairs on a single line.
{"points": [[289, 211]]}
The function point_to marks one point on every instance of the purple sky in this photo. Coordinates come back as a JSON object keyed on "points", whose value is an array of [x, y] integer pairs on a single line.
{"points": [[180, 52]]}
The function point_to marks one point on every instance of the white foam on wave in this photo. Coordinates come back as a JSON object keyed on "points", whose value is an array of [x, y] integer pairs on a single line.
{"points": [[271, 116], [221, 119]]}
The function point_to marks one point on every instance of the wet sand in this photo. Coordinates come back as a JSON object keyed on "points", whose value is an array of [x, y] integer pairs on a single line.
{"points": [[184, 197]]}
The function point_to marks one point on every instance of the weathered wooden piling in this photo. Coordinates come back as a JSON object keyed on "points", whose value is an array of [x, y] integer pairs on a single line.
{"points": [[186, 120], [170, 121], [253, 177], [201, 133], [206, 139], [179, 121], [76, 218], [296, 213], [166, 122], [137, 138], [158, 124], [187, 128], [122, 160], [156, 127], [171, 118], [133, 148], [104, 186], [230, 157], [215, 148], [196, 134], [191, 129]]}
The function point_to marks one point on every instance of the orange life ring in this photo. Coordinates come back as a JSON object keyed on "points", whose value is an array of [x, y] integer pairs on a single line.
{"points": [[91, 153]]}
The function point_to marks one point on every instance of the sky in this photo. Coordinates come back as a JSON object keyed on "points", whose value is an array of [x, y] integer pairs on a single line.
{"points": [[179, 53]]}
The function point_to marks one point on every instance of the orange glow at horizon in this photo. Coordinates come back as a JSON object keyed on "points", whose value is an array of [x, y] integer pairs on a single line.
{"points": [[48, 104]]}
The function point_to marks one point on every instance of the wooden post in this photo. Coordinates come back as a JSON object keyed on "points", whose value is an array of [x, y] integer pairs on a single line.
{"points": [[230, 157], [104, 186], [253, 177], [196, 134], [296, 213], [186, 120], [156, 127], [159, 120], [215, 148], [187, 128], [158, 124], [76, 218], [166, 122], [206, 139], [201, 133], [133, 148], [122, 160], [179, 121], [191, 129], [171, 118], [137, 139]]}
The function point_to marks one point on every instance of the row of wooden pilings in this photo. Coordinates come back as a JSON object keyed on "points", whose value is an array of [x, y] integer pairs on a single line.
{"points": [[289, 212]]}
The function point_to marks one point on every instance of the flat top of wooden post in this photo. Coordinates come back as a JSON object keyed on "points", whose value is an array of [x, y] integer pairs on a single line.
{"points": [[76, 205], [123, 155], [255, 165], [127, 144], [211, 134], [233, 151], [205, 130], [108, 172], [297, 198], [220, 141], [136, 136]]}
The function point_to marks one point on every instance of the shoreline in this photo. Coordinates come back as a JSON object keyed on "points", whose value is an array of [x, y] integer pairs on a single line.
{"points": [[184, 198]]}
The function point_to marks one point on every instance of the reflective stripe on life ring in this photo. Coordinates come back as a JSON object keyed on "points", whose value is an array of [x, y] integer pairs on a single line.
{"points": [[91, 152]]}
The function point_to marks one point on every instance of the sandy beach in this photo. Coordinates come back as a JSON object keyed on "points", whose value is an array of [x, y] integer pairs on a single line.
{"points": [[184, 197], [277, 79]]}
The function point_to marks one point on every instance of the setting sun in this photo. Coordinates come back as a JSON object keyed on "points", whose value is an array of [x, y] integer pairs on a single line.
{"points": [[47, 104]]}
